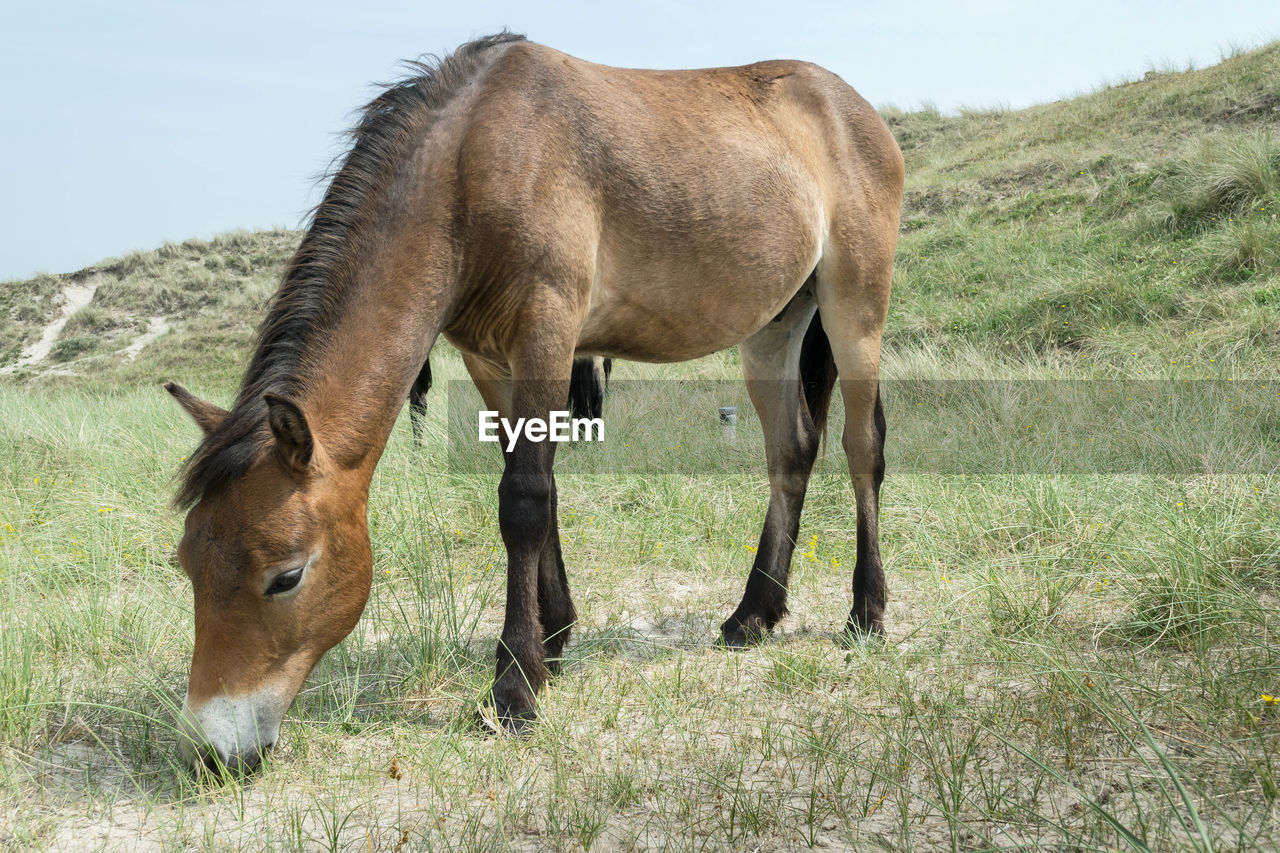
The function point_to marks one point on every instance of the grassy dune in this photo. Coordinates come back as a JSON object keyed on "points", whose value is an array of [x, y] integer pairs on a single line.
{"points": [[1074, 661]]}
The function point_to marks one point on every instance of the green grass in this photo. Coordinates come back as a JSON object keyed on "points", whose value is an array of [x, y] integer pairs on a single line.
{"points": [[1075, 660]]}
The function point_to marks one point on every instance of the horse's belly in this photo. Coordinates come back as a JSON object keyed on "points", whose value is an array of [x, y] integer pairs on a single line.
{"points": [[664, 321], [682, 293]]}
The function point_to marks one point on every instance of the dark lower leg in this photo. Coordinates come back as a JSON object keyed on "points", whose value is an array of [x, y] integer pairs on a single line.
{"points": [[524, 515], [555, 606], [764, 603], [417, 415], [867, 616]]}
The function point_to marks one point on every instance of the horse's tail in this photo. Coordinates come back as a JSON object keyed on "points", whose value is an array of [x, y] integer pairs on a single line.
{"points": [[817, 373], [586, 387]]}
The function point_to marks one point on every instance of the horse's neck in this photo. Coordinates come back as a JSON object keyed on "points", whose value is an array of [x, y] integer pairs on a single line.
{"points": [[362, 370]]}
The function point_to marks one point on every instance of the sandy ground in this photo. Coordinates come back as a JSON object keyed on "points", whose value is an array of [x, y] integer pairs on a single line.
{"points": [[75, 297], [156, 326]]}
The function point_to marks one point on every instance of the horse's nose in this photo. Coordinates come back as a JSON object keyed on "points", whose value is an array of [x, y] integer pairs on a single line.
{"points": [[213, 761]]}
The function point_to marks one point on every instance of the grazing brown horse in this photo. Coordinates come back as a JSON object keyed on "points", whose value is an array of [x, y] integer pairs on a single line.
{"points": [[533, 207]]}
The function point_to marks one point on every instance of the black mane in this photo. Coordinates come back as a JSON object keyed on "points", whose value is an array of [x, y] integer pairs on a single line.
{"points": [[315, 282]]}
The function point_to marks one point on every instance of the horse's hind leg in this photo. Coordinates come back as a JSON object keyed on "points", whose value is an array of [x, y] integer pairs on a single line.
{"points": [[771, 364], [853, 296], [586, 388], [418, 401]]}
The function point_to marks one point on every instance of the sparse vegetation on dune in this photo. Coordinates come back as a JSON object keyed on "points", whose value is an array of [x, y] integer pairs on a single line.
{"points": [[1082, 661], [212, 292], [1119, 231]]}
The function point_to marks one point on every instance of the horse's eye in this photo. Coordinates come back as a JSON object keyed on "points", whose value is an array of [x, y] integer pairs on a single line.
{"points": [[285, 581]]}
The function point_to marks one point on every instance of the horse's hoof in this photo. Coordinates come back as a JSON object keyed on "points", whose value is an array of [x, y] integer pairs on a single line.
{"points": [[489, 720], [510, 712], [732, 642], [736, 635], [518, 725]]}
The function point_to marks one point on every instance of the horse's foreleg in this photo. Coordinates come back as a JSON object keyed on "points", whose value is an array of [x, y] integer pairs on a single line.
{"points": [[526, 517], [770, 362], [555, 606]]}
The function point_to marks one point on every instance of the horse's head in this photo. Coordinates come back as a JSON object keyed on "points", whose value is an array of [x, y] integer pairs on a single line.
{"points": [[280, 564]]}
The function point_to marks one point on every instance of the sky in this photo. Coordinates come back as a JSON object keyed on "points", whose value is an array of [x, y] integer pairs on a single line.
{"points": [[127, 124]]}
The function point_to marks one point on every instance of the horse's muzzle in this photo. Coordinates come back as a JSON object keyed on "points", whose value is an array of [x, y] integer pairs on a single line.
{"points": [[228, 735]]}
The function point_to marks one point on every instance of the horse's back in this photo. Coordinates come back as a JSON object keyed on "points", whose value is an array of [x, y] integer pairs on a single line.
{"points": [[660, 187], [630, 125]]}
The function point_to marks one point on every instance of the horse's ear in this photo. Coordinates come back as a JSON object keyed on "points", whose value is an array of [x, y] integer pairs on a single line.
{"points": [[293, 436], [206, 415]]}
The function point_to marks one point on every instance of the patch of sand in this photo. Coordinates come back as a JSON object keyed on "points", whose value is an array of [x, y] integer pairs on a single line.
{"points": [[156, 326], [75, 297]]}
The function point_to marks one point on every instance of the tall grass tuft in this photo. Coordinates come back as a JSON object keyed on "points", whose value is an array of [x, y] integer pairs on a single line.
{"points": [[1221, 177]]}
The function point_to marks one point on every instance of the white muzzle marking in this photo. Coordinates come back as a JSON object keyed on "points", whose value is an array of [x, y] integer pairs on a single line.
{"points": [[238, 728]]}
